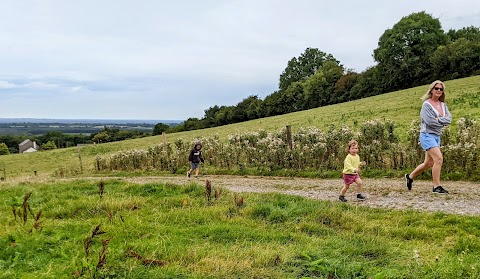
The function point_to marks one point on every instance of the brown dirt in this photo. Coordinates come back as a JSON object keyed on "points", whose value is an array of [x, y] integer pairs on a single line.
{"points": [[464, 197]]}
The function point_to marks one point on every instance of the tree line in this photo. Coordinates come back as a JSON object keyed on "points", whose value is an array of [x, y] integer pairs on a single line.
{"points": [[415, 51], [55, 139]]}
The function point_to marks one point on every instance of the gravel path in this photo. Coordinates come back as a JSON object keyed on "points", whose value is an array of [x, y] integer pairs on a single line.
{"points": [[464, 197]]}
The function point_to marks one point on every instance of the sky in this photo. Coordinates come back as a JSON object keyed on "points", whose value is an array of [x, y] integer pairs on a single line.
{"points": [[157, 59]]}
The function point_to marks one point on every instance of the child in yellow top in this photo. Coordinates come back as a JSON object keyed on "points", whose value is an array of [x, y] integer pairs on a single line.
{"points": [[351, 167]]}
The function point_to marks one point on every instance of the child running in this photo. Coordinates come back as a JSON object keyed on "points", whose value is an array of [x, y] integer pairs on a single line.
{"points": [[351, 167], [195, 158]]}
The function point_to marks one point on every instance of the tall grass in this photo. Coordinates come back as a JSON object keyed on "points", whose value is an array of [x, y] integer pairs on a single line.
{"points": [[154, 233], [312, 149]]}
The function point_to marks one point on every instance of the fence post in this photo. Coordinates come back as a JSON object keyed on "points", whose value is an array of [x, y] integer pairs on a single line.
{"points": [[164, 140], [79, 147], [4, 171], [289, 136]]}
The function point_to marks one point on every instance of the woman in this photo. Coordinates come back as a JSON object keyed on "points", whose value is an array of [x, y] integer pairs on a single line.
{"points": [[434, 116]]}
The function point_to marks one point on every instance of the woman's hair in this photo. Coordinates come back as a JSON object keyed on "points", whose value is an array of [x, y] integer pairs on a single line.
{"points": [[350, 143], [428, 95]]}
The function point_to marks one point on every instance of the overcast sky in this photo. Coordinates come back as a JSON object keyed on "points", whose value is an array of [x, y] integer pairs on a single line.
{"points": [[119, 59]]}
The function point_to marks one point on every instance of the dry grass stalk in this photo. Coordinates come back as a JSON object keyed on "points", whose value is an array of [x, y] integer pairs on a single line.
{"points": [[208, 190], [88, 241], [145, 261], [218, 193], [26, 207], [102, 258], [37, 225], [101, 188], [238, 200]]}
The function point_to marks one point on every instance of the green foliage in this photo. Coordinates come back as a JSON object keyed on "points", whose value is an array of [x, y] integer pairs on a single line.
{"points": [[160, 128], [470, 33], [50, 145], [305, 65], [4, 149], [313, 150], [168, 231], [458, 59], [403, 52]]}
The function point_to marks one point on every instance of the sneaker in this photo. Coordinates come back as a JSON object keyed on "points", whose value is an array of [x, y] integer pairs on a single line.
{"points": [[342, 199], [360, 197], [408, 181], [188, 174], [439, 190]]}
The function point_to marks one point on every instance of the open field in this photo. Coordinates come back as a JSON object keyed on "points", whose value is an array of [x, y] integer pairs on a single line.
{"points": [[155, 229], [402, 107]]}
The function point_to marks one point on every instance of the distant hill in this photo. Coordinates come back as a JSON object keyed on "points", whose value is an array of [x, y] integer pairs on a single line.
{"points": [[85, 121]]}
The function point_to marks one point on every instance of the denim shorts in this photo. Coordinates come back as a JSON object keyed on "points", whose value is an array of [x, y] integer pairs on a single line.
{"points": [[195, 166], [429, 141]]}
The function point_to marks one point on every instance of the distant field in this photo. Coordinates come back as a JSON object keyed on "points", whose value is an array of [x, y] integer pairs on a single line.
{"points": [[401, 106]]}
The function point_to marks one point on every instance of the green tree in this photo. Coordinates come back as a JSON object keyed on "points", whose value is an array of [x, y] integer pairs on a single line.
{"points": [[160, 128], [470, 33], [403, 52], [368, 84], [101, 137], [4, 149], [49, 145], [344, 85], [319, 89], [305, 65], [458, 59]]}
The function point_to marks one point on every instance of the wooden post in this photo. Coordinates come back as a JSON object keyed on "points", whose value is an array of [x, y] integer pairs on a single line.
{"points": [[164, 140], [80, 158], [289, 136], [4, 172]]}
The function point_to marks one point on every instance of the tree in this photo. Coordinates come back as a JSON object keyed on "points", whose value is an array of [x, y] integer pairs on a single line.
{"points": [[4, 149], [101, 137], [160, 128], [455, 60], [470, 33], [403, 52], [344, 85], [367, 84], [319, 89], [305, 65], [49, 145]]}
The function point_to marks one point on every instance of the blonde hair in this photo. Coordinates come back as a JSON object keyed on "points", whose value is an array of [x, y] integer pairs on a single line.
{"points": [[350, 143], [428, 95]]}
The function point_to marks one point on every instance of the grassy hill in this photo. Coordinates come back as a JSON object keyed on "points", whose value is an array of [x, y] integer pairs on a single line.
{"points": [[401, 106]]}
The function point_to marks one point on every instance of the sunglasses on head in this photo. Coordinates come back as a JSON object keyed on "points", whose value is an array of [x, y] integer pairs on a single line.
{"points": [[438, 89]]}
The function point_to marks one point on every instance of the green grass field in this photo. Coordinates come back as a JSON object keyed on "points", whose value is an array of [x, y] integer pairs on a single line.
{"points": [[402, 107], [166, 231]]}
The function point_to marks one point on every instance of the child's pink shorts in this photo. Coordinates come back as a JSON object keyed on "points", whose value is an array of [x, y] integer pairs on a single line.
{"points": [[350, 178]]}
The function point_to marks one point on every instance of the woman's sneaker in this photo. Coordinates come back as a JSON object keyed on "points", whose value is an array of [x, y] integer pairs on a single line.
{"points": [[439, 190], [342, 199], [360, 197], [408, 181]]}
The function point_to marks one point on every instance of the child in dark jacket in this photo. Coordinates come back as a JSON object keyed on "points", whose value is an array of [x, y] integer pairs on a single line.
{"points": [[195, 158]]}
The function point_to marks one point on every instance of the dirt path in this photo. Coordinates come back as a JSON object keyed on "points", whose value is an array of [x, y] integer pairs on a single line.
{"points": [[464, 197]]}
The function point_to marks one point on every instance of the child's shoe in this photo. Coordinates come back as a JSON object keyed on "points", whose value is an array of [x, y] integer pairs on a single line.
{"points": [[360, 197], [408, 181], [342, 199], [188, 174], [439, 190]]}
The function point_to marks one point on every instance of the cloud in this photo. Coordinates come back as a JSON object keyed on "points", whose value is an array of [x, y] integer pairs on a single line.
{"points": [[158, 59]]}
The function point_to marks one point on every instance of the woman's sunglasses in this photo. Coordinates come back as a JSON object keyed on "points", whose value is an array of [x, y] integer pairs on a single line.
{"points": [[438, 89]]}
